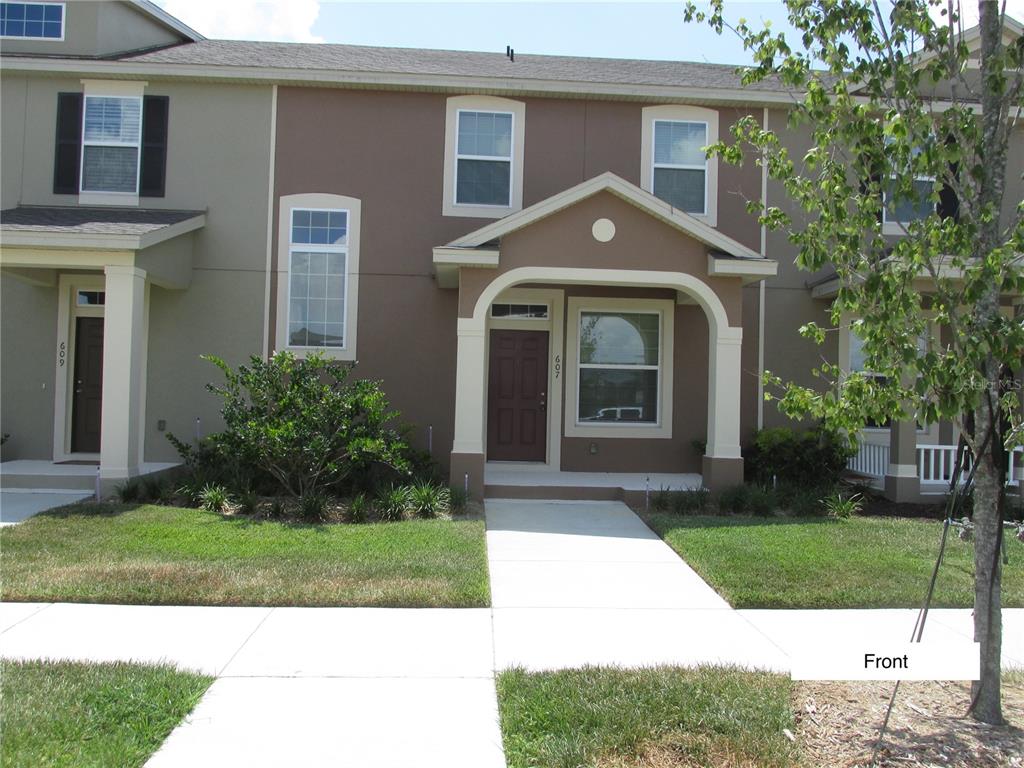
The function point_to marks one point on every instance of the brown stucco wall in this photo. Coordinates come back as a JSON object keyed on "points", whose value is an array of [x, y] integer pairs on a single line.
{"points": [[350, 142]]}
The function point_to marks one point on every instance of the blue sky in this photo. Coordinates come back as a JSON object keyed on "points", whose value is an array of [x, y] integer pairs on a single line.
{"points": [[654, 30]]}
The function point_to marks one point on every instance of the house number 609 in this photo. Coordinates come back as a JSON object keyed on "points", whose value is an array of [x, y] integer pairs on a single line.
{"points": [[60, 355], [558, 366]]}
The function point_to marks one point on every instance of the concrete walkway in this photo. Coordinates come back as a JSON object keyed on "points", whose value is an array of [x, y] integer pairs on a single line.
{"points": [[17, 505], [573, 583]]}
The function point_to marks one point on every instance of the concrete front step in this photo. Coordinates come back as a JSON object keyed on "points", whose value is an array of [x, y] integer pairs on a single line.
{"points": [[33, 475]]}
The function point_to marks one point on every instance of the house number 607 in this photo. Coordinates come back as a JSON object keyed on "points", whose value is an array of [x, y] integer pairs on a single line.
{"points": [[60, 355]]}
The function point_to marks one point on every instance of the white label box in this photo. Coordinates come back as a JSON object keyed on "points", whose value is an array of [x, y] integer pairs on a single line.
{"points": [[884, 660]]}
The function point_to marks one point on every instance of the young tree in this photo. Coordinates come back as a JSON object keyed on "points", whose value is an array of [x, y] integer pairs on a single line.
{"points": [[907, 110]]}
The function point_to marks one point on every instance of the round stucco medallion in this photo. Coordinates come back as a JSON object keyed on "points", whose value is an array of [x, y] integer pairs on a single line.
{"points": [[603, 230]]}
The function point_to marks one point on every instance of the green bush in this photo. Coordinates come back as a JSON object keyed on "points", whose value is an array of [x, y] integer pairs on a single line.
{"points": [[661, 499], [248, 501], [313, 506], [690, 501], [214, 498], [305, 423], [458, 498], [841, 507], [802, 501], [808, 458], [735, 500], [129, 491], [393, 503], [358, 509], [429, 500], [761, 501]]}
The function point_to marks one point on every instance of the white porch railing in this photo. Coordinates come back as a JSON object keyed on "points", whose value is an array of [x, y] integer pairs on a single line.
{"points": [[871, 460], [935, 463]]}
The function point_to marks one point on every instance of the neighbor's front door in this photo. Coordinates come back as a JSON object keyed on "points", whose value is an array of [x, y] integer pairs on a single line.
{"points": [[87, 401], [517, 396]]}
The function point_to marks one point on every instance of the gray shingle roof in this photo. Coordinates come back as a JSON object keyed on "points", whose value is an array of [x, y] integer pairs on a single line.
{"points": [[353, 58], [90, 221]]}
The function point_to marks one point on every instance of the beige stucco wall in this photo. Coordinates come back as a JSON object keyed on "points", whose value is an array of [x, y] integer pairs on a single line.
{"points": [[219, 140], [94, 28]]}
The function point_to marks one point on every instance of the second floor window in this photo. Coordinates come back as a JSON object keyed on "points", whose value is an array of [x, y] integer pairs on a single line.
{"points": [[899, 210], [111, 138], [680, 165], [317, 294], [483, 174], [36, 21]]}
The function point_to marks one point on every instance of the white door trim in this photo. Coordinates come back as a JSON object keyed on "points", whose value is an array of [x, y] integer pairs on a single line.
{"points": [[68, 312], [555, 326]]}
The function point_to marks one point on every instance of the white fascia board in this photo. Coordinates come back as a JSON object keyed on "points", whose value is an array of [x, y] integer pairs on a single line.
{"points": [[466, 257], [758, 268], [452, 83]]}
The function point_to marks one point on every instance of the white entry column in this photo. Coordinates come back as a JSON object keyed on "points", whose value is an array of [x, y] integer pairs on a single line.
{"points": [[723, 462], [467, 460], [125, 337]]}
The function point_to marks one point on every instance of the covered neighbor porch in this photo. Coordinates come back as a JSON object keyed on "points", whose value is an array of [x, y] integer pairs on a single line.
{"points": [[599, 334], [101, 263]]}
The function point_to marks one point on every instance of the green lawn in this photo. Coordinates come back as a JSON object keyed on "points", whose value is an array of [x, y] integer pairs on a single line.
{"points": [[82, 715], [710, 716], [862, 562], [169, 555]]}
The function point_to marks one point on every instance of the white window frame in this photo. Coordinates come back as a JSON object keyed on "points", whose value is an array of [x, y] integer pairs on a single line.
{"points": [[318, 202], [486, 158], [115, 89], [454, 107], [137, 145], [655, 165], [680, 113], [662, 427], [63, 26], [294, 247]]}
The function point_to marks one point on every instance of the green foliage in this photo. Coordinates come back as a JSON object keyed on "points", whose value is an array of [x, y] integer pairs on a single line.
{"points": [[801, 458], [691, 501], [393, 502], [313, 506], [761, 501], [358, 509], [840, 506], [429, 500], [661, 499], [214, 498], [735, 500], [129, 491], [248, 501], [305, 422], [801, 501], [458, 498]]}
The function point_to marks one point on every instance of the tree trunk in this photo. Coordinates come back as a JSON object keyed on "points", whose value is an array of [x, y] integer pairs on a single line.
{"points": [[985, 692]]}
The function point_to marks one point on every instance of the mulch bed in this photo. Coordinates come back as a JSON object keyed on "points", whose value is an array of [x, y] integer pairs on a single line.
{"points": [[837, 724]]}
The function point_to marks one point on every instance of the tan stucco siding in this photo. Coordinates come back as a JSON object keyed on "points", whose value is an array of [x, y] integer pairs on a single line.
{"points": [[28, 346], [99, 28]]}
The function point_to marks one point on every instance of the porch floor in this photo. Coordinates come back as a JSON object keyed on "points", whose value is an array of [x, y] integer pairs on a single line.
{"points": [[539, 482], [35, 474]]}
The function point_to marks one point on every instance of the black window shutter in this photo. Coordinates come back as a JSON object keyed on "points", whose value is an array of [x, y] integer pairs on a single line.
{"points": [[154, 146], [68, 151], [949, 205]]}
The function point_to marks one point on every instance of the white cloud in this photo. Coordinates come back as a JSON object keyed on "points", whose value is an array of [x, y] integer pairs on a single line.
{"points": [[281, 20]]}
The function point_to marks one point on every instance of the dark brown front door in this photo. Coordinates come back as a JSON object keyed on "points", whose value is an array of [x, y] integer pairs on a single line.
{"points": [[517, 396], [88, 385]]}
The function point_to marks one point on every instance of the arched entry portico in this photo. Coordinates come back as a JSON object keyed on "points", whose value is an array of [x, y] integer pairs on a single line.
{"points": [[722, 463]]}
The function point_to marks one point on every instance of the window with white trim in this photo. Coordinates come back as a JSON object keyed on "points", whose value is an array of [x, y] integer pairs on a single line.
{"points": [[897, 212], [111, 139], [483, 158], [619, 361], [680, 171], [317, 278], [857, 364], [33, 21]]}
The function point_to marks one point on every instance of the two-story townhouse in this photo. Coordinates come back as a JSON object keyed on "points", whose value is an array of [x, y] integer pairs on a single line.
{"points": [[531, 252]]}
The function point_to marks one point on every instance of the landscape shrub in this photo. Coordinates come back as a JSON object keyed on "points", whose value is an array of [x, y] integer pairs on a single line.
{"points": [[313, 506], [661, 499], [761, 501], [734, 500], [429, 500], [393, 503], [214, 498], [358, 509], [303, 422], [129, 491], [802, 501], [458, 498], [804, 458], [840, 506], [248, 501], [690, 501]]}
